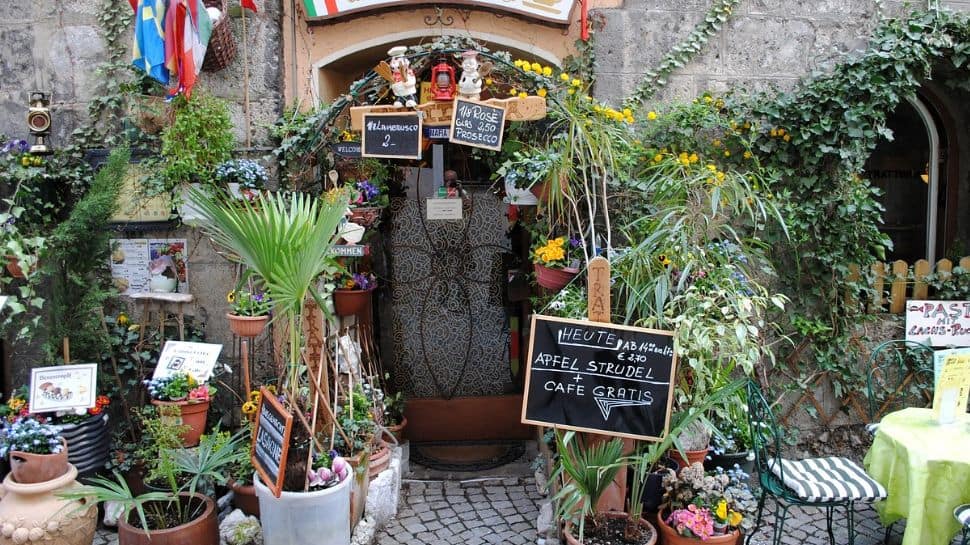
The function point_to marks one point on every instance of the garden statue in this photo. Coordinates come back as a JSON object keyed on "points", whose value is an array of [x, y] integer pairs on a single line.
{"points": [[470, 84], [403, 83]]}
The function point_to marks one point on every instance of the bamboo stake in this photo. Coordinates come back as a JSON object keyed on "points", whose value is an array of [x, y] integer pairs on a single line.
{"points": [[67, 350]]}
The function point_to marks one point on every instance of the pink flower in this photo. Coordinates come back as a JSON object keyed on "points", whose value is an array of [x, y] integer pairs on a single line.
{"points": [[200, 393], [340, 468]]}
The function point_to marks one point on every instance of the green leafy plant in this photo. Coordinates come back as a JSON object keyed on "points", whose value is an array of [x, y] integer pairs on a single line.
{"points": [[588, 470], [248, 303]]}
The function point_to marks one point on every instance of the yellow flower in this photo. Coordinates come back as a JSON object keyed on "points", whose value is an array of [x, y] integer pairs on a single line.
{"points": [[564, 76], [652, 116], [571, 91], [748, 155], [708, 99], [786, 138], [537, 68], [231, 297], [513, 92], [720, 176], [734, 518], [727, 153], [488, 81], [694, 158], [716, 143], [254, 396], [272, 389], [249, 408], [191, 380], [597, 108], [518, 63], [526, 67], [541, 92], [773, 133], [523, 94], [576, 83], [627, 112], [16, 403], [657, 158], [629, 119], [683, 158], [123, 319], [547, 71], [722, 510], [712, 168]]}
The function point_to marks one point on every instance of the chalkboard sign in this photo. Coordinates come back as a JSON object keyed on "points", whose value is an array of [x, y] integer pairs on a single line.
{"points": [[271, 442], [394, 136], [599, 377], [347, 149], [477, 124]]}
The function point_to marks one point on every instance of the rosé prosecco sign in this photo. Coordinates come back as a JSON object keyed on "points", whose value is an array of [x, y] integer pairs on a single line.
{"points": [[555, 11]]}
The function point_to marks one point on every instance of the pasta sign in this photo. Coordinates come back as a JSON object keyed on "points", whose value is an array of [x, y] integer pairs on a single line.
{"points": [[938, 323], [554, 11]]}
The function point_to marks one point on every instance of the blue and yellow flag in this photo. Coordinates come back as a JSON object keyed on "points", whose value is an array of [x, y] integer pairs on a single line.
{"points": [[149, 49]]}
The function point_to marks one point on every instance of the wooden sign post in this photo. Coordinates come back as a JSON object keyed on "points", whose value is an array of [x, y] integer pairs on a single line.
{"points": [[271, 441]]}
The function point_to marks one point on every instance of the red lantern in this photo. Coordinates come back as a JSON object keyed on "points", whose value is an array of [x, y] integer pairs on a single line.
{"points": [[443, 84]]}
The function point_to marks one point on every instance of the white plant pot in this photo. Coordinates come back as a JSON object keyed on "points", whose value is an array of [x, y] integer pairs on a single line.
{"points": [[188, 211], [163, 284], [305, 518], [519, 197]]}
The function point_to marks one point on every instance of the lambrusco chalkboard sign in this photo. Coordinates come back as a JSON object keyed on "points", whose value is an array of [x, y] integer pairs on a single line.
{"points": [[599, 377], [477, 124], [392, 135], [271, 442]]}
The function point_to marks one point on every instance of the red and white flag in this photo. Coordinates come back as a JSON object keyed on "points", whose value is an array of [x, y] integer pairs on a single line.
{"points": [[248, 4]]}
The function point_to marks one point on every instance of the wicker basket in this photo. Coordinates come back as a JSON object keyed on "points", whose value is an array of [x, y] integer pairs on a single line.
{"points": [[222, 44]]}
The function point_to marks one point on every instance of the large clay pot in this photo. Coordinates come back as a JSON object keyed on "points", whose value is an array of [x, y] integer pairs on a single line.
{"points": [[649, 533], [32, 513], [193, 415], [29, 468], [247, 326], [203, 530], [380, 458], [670, 536], [244, 498], [88, 443], [351, 302], [693, 456], [397, 430], [321, 517], [554, 279]]}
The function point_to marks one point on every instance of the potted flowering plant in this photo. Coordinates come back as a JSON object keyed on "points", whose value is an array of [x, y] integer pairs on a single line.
{"points": [[556, 261], [353, 293], [711, 507], [183, 391], [244, 178], [36, 450], [250, 312], [368, 180]]}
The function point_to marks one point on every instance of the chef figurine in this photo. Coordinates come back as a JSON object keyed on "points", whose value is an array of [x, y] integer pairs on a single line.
{"points": [[470, 84], [403, 84]]}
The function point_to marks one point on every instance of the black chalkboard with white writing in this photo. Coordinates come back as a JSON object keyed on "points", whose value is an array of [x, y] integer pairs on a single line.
{"points": [[271, 441], [347, 149], [477, 124], [393, 136], [599, 377]]}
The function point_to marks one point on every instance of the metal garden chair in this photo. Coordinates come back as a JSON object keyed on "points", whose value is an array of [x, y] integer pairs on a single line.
{"points": [[962, 514], [815, 482], [900, 375]]}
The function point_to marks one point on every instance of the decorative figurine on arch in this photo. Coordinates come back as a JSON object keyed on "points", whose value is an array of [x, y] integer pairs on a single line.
{"points": [[470, 84], [402, 80]]}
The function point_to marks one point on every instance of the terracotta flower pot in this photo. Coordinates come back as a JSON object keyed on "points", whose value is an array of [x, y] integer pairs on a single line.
{"points": [[244, 498], [671, 537], [397, 431], [32, 513], [351, 302], [649, 533], [29, 468], [192, 414], [693, 456], [554, 279], [203, 530], [247, 326], [366, 216], [380, 458]]}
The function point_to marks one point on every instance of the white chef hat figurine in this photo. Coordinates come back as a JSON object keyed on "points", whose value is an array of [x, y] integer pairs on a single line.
{"points": [[403, 82], [470, 84]]}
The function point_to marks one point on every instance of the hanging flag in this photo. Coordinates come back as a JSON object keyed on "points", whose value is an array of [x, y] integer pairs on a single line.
{"points": [[134, 5], [187, 32], [249, 4], [149, 48]]}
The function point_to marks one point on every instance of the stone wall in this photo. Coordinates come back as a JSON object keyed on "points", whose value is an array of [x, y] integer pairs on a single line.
{"points": [[55, 46], [764, 43]]}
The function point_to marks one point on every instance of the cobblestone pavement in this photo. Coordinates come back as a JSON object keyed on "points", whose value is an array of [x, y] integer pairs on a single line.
{"points": [[476, 512]]}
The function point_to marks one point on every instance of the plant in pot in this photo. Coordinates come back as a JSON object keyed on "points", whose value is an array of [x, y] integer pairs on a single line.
{"points": [[352, 296], [250, 311], [164, 277], [31, 509], [730, 441], [356, 418], [370, 192], [706, 507], [182, 513], [244, 178], [556, 261], [192, 399], [394, 420]]}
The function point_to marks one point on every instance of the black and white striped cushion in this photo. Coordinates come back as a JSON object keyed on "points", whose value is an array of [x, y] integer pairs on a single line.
{"points": [[828, 479], [962, 514]]}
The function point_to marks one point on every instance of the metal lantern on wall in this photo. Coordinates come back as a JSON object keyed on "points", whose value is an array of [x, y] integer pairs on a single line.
{"points": [[443, 84]]}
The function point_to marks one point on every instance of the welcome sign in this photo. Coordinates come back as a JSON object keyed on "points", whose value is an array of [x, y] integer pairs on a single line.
{"points": [[554, 11]]}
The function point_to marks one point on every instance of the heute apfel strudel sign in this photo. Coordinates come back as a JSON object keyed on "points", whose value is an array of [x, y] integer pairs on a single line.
{"points": [[556, 11]]}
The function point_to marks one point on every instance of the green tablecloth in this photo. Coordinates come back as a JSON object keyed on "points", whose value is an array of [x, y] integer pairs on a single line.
{"points": [[925, 468]]}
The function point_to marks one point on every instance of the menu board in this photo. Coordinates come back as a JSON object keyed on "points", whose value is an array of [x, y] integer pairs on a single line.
{"points": [[392, 135], [599, 377], [63, 387], [130, 258], [477, 124], [271, 441]]}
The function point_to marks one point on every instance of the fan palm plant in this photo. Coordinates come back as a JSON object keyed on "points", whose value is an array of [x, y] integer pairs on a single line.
{"points": [[285, 239], [588, 470]]}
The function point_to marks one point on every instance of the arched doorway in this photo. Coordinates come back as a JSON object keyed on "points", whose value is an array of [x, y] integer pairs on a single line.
{"points": [[916, 172]]}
